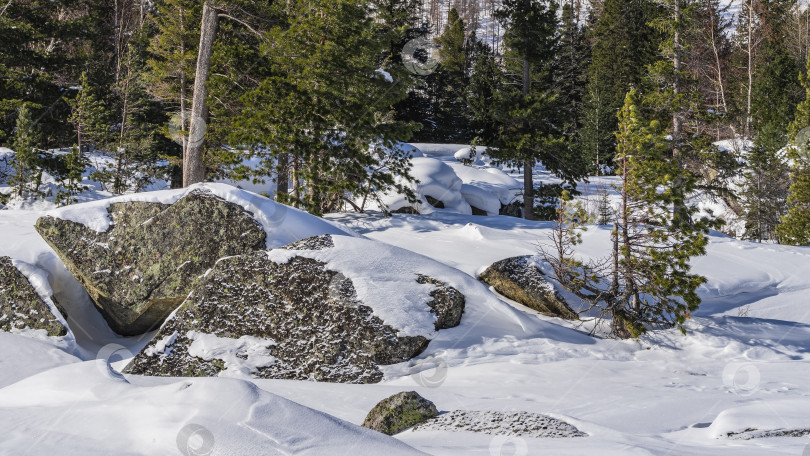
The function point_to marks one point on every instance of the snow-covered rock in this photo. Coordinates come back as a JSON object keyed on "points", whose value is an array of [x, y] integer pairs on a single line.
{"points": [[438, 188], [324, 308], [26, 302], [138, 256], [520, 279], [511, 424]]}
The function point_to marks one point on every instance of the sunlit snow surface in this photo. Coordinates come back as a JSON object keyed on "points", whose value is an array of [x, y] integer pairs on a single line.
{"points": [[736, 384]]}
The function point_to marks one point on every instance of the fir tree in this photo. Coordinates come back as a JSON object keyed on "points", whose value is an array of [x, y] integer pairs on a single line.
{"points": [[449, 120], [486, 83], [173, 54], [90, 118], [570, 70], [794, 228], [74, 164]]}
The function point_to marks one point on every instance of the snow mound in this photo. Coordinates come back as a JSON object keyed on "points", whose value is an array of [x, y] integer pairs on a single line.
{"points": [[437, 182], [439, 150], [408, 150], [763, 419], [736, 145], [492, 180], [22, 356], [283, 224], [194, 416]]}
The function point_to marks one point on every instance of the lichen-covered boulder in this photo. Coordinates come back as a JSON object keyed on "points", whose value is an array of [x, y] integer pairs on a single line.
{"points": [[399, 412], [288, 314], [21, 307], [519, 279], [143, 267]]}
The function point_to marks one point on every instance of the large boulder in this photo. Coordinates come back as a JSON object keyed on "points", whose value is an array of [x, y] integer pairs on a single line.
{"points": [[143, 266], [399, 412], [292, 313], [519, 279], [21, 307]]}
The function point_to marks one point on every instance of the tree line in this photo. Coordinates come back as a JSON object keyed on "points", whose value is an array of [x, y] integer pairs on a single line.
{"points": [[318, 91]]}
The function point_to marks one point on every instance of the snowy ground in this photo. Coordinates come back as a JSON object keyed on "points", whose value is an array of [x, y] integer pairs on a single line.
{"points": [[736, 384]]}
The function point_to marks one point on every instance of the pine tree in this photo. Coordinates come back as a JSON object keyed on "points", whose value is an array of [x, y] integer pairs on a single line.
{"points": [[528, 127], [794, 228], [325, 104], [652, 284], [27, 164], [90, 118], [766, 174], [623, 44]]}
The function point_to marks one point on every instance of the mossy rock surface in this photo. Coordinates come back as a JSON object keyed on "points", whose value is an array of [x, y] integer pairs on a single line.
{"points": [[400, 412], [20, 305], [520, 280], [319, 331], [144, 265]]}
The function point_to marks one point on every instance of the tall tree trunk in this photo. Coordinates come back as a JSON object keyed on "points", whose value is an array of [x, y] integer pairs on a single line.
{"points": [[183, 108], [528, 164], [282, 174], [747, 129], [193, 166], [680, 212]]}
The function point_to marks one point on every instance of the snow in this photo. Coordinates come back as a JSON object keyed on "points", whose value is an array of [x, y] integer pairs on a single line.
{"points": [[252, 351], [38, 278], [68, 411], [435, 179], [385, 279], [283, 224], [741, 369], [386, 75]]}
